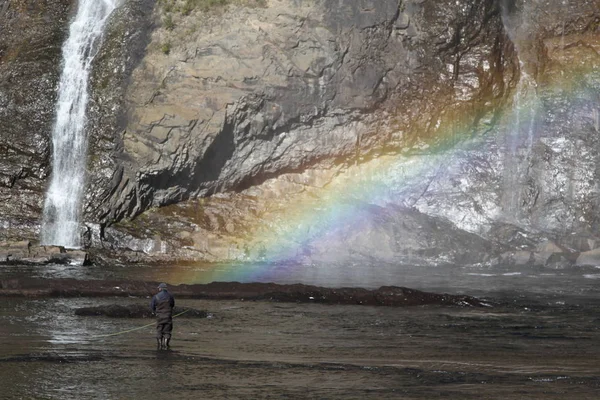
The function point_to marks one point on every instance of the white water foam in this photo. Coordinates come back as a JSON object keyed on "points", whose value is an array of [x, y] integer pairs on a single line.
{"points": [[62, 206], [591, 276]]}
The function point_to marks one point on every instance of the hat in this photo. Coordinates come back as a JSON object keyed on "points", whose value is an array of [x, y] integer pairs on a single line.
{"points": [[162, 286]]}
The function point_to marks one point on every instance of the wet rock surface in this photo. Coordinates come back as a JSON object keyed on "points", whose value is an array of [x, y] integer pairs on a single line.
{"points": [[31, 37], [26, 252], [373, 234], [124, 45]]}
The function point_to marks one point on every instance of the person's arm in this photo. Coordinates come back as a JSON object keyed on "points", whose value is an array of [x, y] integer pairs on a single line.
{"points": [[172, 302], [153, 304]]}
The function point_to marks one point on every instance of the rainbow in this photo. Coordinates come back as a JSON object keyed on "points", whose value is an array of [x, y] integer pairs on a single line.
{"points": [[283, 236]]}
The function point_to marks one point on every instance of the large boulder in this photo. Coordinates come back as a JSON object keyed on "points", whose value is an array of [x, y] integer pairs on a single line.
{"points": [[589, 258], [25, 252]]}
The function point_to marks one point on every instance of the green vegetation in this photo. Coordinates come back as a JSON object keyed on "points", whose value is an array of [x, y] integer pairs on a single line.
{"points": [[166, 48], [168, 22]]}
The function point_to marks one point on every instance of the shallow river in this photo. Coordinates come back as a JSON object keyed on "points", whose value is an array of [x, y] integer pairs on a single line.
{"points": [[540, 340]]}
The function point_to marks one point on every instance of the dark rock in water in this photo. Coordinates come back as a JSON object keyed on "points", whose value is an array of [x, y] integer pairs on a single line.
{"points": [[384, 296], [394, 296], [51, 358], [135, 311]]}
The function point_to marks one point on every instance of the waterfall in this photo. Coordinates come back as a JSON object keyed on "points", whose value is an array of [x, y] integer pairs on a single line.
{"points": [[519, 144], [521, 130], [62, 208]]}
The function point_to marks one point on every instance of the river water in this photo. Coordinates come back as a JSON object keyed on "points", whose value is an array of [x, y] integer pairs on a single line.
{"points": [[539, 340]]}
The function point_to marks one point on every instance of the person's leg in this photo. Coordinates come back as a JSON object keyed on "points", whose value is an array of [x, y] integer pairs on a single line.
{"points": [[167, 330], [159, 335]]}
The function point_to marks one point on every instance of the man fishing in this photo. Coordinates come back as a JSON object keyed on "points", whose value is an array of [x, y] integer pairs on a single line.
{"points": [[162, 305]]}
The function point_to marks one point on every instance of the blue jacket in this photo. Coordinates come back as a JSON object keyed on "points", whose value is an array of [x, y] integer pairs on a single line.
{"points": [[162, 303]]}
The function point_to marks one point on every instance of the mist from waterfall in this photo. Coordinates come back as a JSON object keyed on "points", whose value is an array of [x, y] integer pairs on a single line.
{"points": [[62, 208], [521, 130], [519, 144]]}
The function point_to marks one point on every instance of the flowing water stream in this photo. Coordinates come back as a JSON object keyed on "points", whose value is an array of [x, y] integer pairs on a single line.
{"points": [[62, 207], [522, 126], [520, 141]]}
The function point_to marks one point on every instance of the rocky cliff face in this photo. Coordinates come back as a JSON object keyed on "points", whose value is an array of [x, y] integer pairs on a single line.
{"points": [[295, 86], [405, 132], [31, 35], [535, 174]]}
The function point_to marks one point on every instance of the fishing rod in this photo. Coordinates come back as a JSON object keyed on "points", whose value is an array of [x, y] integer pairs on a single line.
{"points": [[133, 329]]}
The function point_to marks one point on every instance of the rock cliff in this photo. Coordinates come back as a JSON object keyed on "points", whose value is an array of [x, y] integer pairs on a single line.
{"points": [[31, 36], [287, 87], [418, 132]]}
